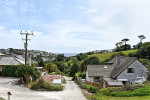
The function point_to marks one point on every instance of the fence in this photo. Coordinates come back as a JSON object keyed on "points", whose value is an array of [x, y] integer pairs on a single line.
{"points": [[81, 81], [96, 84]]}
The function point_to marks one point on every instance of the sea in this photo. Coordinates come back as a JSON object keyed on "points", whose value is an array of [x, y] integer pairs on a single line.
{"points": [[69, 54]]}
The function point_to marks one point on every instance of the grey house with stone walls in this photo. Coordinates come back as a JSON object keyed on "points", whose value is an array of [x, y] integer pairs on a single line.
{"points": [[119, 71]]}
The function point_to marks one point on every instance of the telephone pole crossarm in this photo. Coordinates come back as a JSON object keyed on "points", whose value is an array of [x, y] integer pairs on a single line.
{"points": [[26, 33]]}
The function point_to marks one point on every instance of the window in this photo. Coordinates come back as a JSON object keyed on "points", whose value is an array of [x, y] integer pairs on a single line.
{"points": [[130, 70], [96, 79]]}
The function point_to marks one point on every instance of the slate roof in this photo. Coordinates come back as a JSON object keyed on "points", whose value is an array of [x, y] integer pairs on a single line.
{"points": [[22, 57], [99, 70], [10, 60], [112, 70], [124, 63], [112, 82]]}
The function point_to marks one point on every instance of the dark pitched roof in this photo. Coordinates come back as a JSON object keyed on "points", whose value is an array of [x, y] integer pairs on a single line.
{"points": [[10, 60], [99, 70], [112, 82], [124, 63]]}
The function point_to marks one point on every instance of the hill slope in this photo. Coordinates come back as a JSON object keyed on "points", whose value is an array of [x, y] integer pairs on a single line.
{"points": [[104, 56]]}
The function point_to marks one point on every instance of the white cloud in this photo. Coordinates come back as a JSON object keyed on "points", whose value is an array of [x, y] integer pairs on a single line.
{"points": [[98, 25]]}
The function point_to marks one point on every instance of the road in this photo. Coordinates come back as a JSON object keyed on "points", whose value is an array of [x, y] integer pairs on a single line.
{"points": [[19, 92]]}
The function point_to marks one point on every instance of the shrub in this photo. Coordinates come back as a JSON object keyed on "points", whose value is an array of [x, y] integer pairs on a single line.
{"points": [[128, 88], [120, 94], [9, 70], [128, 91], [47, 86], [141, 91], [90, 88], [107, 91]]}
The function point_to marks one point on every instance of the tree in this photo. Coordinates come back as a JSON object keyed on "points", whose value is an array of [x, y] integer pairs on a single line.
{"points": [[60, 57], [91, 61], [81, 56], [141, 38], [125, 40], [26, 71], [41, 63], [74, 69], [51, 67], [125, 47], [83, 67], [61, 66], [144, 52], [120, 43], [117, 44]]}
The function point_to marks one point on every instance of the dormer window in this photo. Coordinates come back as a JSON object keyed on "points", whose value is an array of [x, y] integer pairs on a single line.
{"points": [[130, 70]]}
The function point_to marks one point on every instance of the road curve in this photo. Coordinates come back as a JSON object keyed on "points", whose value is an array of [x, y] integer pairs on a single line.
{"points": [[71, 92]]}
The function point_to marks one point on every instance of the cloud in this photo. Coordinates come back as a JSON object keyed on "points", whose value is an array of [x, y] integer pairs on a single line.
{"points": [[92, 25]]}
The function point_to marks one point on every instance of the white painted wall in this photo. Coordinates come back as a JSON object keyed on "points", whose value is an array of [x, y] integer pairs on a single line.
{"points": [[0, 68], [89, 78], [57, 81]]}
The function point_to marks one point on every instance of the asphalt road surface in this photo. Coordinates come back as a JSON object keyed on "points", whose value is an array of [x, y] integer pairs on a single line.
{"points": [[19, 92]]}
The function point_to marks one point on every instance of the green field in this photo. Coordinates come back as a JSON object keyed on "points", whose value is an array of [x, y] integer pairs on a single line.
{"points": [[104, 56], [101, 97], [1, 99]]}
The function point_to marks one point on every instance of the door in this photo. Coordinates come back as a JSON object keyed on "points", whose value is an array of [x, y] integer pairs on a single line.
{"points": [[0, 70]]}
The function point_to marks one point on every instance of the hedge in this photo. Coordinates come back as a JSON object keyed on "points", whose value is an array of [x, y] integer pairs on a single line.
{"points": [[45, 86], [90, 88], [9, 70], [126, 91]]}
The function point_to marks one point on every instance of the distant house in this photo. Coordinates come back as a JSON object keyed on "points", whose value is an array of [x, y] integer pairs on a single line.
{"points": [[1, 54], [119, 71], [9, 60], [55, 79]]}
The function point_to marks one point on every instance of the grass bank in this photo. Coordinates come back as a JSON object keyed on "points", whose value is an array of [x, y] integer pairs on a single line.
{"points": [[1, 99], [104, 56], [102, 97]]}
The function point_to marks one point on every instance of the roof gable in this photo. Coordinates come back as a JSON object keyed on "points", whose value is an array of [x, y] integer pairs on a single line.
{"points": [[124, 63]]}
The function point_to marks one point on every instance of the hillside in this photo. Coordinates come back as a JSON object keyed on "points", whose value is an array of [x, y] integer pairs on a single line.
{"points": [[104, 56]]}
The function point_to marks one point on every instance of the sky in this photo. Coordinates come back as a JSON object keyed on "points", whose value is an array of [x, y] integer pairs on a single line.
{"points": [[73, 26]]}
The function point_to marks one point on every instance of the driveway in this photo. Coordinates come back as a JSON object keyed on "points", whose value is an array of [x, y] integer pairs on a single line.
{"points": [[19, 92]]}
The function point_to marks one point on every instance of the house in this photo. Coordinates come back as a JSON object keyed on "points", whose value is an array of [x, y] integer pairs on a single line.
{"points": [[9, 60], [55, 79], [119, 71]]}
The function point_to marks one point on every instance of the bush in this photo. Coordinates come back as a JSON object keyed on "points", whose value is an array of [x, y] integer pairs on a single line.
{"points": [[90, 88], [128, 88], [9, 70], [91, 61], [128, 91], [41, 84], [141, 91], [107, 91]]}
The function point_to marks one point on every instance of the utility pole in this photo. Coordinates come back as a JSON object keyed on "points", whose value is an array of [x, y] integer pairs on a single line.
{"points": [[26, 33]]}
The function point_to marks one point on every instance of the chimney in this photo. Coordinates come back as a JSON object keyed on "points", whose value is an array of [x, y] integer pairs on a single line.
{"points": [[117, 60]]}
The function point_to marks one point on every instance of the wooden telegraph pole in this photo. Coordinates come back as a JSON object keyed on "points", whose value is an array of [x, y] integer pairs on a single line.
{"points": [[26, 33]]}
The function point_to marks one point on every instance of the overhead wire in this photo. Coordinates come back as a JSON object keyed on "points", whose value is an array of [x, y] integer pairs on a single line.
{"points": [[18, 14], [28, 15], [34, 24]]}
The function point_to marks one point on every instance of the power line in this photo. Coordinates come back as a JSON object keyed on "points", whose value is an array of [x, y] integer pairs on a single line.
{"points": [[36, 15], [28, 15], [18, 13]]}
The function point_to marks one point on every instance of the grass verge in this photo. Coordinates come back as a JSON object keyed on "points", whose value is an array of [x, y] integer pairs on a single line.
{"points": [[102, 97]]}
